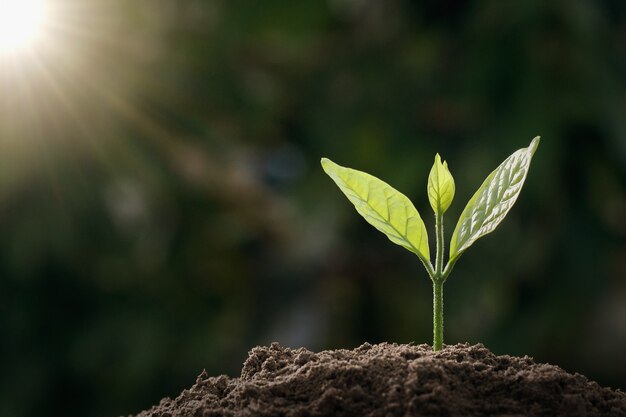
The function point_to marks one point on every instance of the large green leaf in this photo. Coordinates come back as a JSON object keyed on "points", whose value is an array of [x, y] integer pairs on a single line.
{"points": [[384, 207], [493, 200], [440, 186]]}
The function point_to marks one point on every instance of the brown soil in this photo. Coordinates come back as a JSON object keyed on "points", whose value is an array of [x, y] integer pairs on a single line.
{"points": [[392, 380]]}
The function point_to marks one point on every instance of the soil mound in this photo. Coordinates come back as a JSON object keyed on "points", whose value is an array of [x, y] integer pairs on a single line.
{"points": [[392, 380]]}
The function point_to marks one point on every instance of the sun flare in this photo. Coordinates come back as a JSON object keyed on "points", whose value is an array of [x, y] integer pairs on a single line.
{"points": [[21, 24]]}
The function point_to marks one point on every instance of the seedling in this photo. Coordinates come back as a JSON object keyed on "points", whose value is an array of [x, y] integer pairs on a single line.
{"points": [[391, 212]]}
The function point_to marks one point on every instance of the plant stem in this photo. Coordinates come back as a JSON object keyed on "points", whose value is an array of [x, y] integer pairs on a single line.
{"points": [[438, 280], [448, 268], [437, 315], [440, 245]]}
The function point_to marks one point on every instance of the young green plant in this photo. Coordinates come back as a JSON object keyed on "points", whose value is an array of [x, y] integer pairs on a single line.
{"points": [[392, 213]]}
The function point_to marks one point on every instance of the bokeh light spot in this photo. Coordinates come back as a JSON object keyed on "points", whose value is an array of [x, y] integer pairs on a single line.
{"points": [[21, 23]]}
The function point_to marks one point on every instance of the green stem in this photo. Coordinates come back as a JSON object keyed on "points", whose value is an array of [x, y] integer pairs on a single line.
{"points": [[440, 245], [448, 268], [438, 280], [437, 315]]}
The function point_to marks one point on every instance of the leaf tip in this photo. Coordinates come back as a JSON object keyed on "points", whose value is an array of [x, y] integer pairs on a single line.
{"points": [[440, 162], [326, 163], [534, 144]]}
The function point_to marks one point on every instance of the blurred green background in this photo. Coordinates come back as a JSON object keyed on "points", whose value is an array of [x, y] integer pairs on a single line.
{"points": [[162, 207]]}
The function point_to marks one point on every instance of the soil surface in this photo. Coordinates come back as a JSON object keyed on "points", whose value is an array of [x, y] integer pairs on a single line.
{"points": [[392, 380]]}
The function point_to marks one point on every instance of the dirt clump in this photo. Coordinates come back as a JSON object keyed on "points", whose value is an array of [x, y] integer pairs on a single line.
{"points": [[392, 380]]}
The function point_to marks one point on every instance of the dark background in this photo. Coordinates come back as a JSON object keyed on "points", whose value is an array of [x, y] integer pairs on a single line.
{"points": [[162, 207]]}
